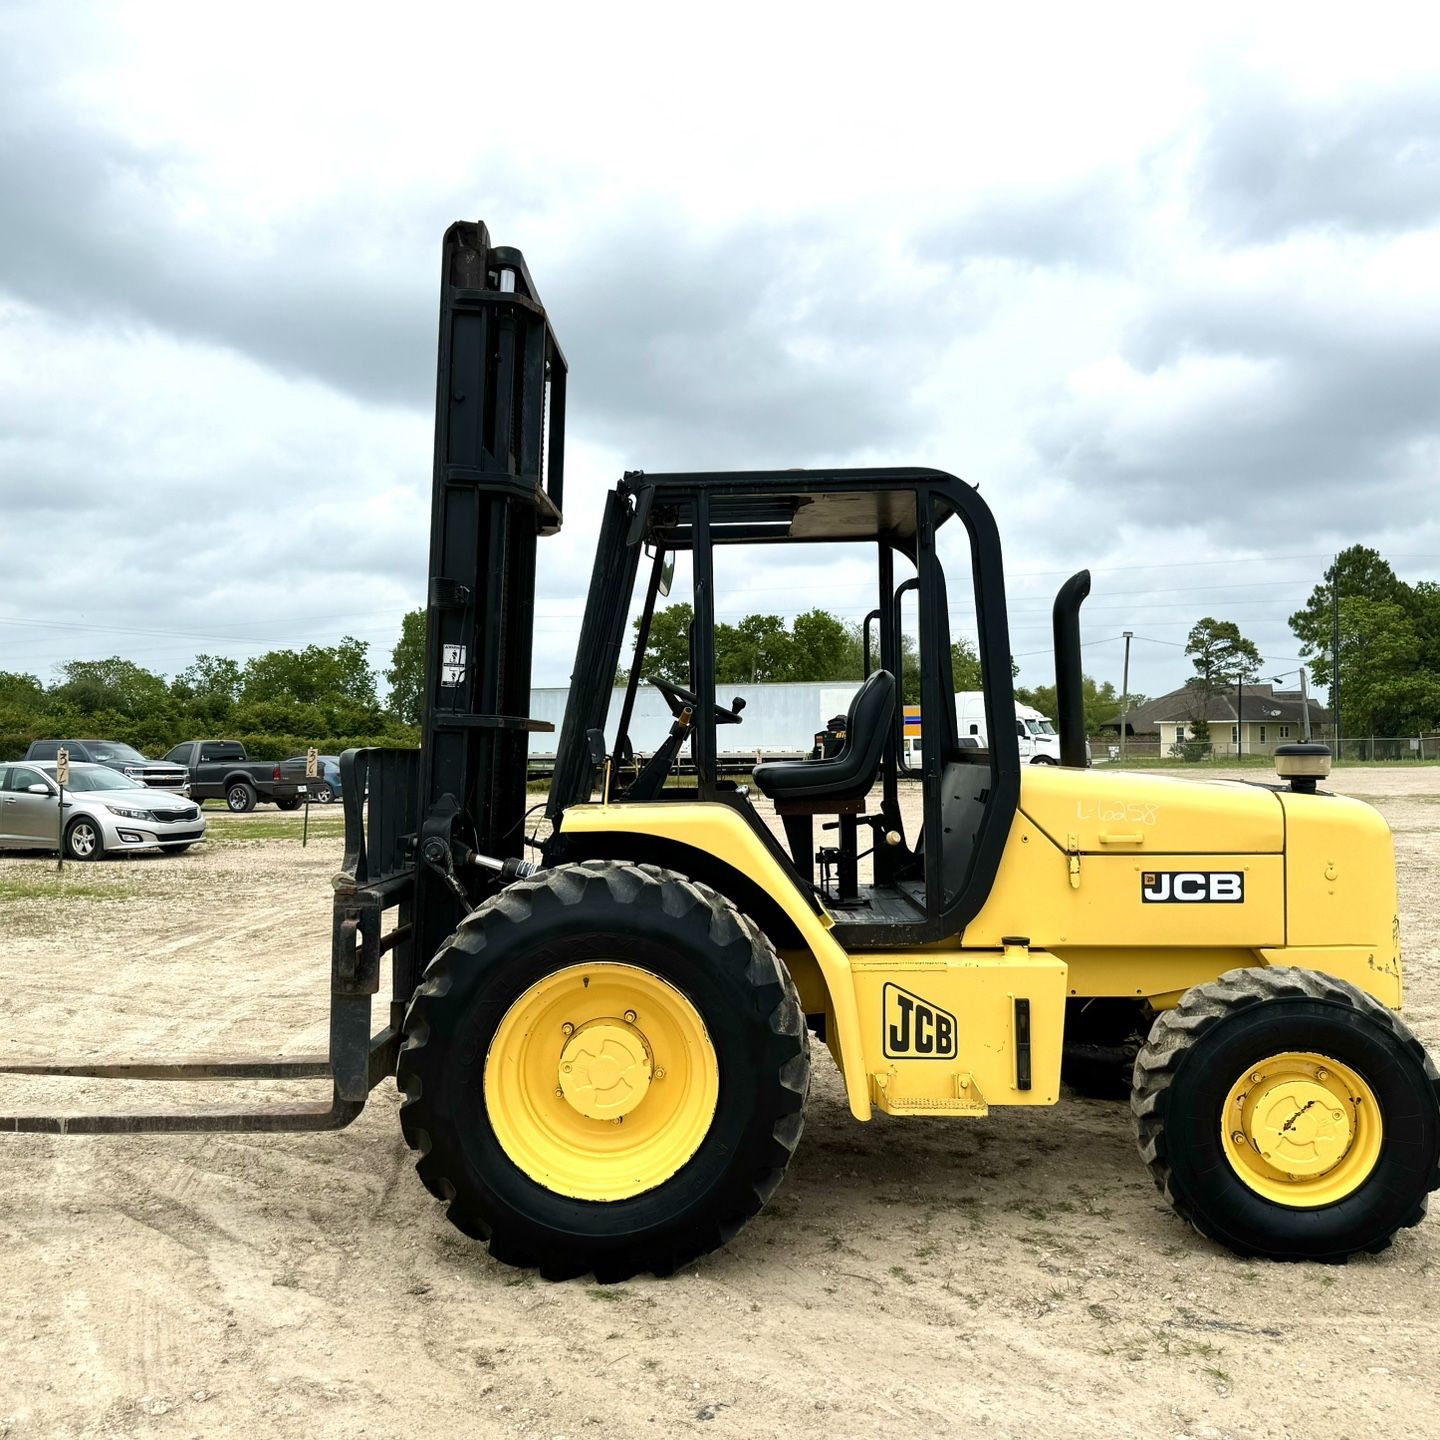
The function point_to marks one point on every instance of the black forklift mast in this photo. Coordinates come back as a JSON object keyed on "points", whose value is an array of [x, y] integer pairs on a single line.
{"points": [[428, 833], [498, 487]]}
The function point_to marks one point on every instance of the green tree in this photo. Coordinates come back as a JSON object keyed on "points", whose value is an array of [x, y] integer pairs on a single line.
{"points": [[406, 675], [1222, 656], [20, 692], [1389, 644], [758, 648], [206, 691], [820, 648], [22, 704], [317, 675], [667, 651], [815, 646], [965, 666], [1362, 574], [92, 687], [1385, 687], [214, 676], [1425, 609]]}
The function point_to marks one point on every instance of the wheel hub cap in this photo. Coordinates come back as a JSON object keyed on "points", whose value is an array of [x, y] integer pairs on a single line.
{"points": [[605, 1069], [1300, 1127], [601, 1081]]}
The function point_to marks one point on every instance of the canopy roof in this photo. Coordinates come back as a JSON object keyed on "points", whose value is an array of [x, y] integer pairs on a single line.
{"points": [[749, 507]]}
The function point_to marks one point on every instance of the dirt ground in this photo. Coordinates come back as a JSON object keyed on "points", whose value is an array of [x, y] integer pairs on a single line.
{"points": [[1013, 1276]]}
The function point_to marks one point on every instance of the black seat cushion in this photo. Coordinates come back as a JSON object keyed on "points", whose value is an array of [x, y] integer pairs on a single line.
{"points": [[850, 774]]}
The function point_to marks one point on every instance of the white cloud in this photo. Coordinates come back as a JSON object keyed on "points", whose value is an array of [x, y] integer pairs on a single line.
{"points": [[1171, 301]]}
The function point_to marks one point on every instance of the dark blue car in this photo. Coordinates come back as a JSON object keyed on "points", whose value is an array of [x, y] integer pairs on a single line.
{"points": [[327, 787]]}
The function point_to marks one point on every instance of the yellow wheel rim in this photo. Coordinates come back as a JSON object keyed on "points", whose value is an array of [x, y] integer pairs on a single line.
{"points": [[1302, 1129], [601, 1081]]}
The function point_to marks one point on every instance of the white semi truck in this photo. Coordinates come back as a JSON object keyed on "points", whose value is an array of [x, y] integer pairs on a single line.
{"points": [[1038, 739]]}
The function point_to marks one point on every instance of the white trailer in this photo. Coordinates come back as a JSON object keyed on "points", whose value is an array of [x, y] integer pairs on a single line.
{"points": [[780, 720]]}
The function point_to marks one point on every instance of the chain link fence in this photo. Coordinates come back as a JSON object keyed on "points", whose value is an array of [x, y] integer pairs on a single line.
{"points": [[1142, 748], [1374, 747]]}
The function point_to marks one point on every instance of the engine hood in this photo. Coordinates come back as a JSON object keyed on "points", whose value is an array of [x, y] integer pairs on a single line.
{"points": [[1122, 812]]}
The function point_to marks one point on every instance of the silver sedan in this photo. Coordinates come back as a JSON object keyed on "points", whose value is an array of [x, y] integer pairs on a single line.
{"points": [[105, 813]]}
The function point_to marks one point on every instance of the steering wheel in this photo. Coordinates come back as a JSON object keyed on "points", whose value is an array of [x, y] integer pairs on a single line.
{"points": [[679, 700]]}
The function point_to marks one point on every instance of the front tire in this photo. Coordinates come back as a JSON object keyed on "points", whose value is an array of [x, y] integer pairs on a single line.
{"points": [[605, 1069], [1289, 1115], [84, 839], [241, 797], [322, 794]]}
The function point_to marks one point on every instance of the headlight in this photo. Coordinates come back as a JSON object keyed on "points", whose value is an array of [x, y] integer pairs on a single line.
{"points": [[130, 814]]}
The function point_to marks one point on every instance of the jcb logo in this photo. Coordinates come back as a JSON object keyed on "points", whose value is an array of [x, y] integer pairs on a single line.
{"points": [[1192, 887], [915, 1029]]}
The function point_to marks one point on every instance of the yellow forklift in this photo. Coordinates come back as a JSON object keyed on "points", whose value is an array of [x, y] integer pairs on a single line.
{"points": [[605, 1050]]}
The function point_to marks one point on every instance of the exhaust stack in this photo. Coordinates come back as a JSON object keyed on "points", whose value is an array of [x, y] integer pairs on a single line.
{"points": [[1069, 682]]}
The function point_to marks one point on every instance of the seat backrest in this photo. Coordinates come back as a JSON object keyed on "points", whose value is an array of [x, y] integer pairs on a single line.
{"points": [[867, 722]]}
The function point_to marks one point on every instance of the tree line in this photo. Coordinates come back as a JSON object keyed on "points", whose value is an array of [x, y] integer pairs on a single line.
{"points": [[284, 700], [815, 646], [276, 704]]}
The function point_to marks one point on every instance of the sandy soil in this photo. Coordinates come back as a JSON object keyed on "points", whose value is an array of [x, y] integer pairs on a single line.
{"points": [[1012, 1276]]}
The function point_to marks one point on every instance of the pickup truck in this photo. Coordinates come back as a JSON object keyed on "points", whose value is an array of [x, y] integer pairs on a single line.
{"points": [[220, 769], [124, 759]]}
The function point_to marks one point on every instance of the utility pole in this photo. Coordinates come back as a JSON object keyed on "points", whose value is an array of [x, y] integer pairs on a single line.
{"points": [[1239, 716], [1335, 652], [1304, 707], [1125, 701]]}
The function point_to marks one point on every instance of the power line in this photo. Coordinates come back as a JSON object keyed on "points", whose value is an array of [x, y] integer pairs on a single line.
{"points": [[1084, 645]]}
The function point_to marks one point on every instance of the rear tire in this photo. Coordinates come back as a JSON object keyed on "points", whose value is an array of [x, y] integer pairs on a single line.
{"points": [[241, 797], [1224, 1044], [84, 839], [455, 1072], [322, 794]]}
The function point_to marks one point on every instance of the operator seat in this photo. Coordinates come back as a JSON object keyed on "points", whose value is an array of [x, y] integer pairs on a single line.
{"points": [[850, 774], [837, 786]]}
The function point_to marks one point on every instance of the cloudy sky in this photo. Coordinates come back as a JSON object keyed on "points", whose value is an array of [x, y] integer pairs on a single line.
{"points": [[1171, 298]]}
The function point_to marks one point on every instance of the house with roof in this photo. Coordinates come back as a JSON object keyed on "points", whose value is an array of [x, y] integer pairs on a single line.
{"points": [[1250, 720]]}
